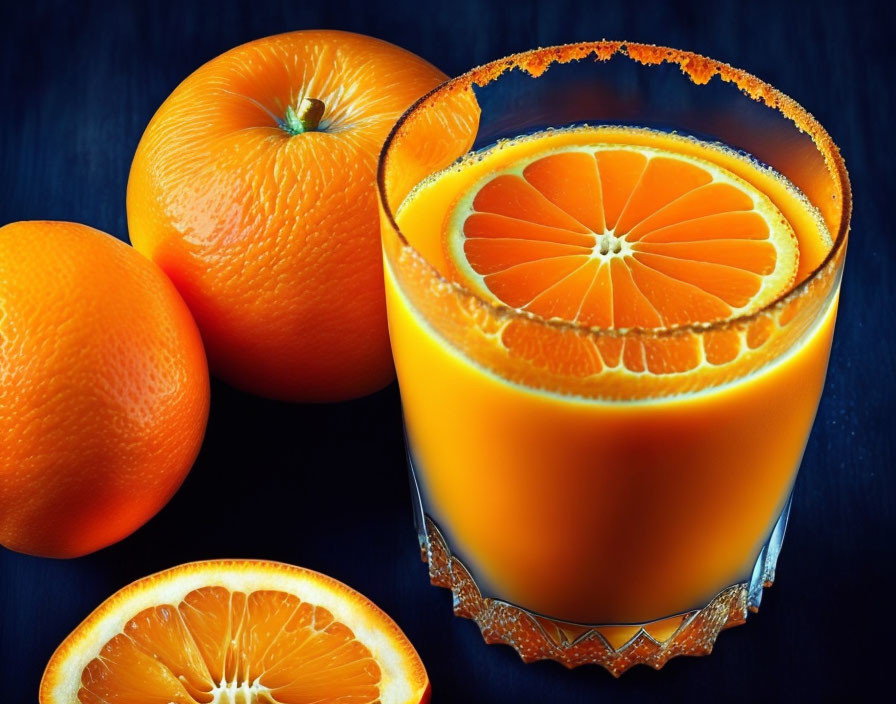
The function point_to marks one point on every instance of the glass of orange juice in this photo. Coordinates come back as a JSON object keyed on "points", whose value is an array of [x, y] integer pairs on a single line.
{"points": [[612, 274]]}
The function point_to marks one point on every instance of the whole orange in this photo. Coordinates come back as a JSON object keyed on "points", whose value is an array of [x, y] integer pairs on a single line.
{"points": [[103, 389], [253, 187]]}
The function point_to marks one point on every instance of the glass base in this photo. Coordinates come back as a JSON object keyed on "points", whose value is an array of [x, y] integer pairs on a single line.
{"points": [[615, 647]]}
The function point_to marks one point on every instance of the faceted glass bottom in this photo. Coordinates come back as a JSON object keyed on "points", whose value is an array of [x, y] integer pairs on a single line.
{"points": [[615, 647]]}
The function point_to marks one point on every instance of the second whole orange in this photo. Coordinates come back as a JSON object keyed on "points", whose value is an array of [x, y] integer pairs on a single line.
{"points": [[253, 189], [104, 390]]}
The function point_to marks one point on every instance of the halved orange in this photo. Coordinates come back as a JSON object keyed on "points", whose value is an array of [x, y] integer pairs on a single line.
{"points": [[621, 236], [236, 632]]}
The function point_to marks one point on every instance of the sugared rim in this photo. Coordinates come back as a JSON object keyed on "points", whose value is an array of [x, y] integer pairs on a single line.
{"points": [[700, 70]]}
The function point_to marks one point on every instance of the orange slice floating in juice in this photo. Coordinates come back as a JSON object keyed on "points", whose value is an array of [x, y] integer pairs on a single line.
{"points": [[236, 631], [622, 236]]}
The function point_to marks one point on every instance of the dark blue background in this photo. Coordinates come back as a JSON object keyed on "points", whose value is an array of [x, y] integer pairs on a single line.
{"points": [[325, 486]]}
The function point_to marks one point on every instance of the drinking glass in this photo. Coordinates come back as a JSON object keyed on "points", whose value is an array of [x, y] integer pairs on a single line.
{"points": [[587, 498]]}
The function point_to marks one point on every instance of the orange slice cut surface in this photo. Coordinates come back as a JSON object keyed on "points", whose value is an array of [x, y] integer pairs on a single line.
{"points": [[236, 632], [622, 236]]}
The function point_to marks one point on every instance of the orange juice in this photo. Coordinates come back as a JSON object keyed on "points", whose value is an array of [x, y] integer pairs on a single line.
{"points": [[653, 485]]}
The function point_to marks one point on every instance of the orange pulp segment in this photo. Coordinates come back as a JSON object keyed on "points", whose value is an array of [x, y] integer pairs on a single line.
{"points": [[621, 236], [228, 632]]}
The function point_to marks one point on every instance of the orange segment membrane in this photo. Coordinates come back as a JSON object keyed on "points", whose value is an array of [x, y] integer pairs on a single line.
{"points": [[490, 256], [691, 204], [620, 170], [490, 225], [735, 226], [570, 181], [758, 257], [512, 196], [285, 650], [521, 284], [662, 182]]}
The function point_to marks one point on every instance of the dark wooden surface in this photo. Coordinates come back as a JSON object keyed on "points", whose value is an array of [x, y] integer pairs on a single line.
{"points": [[325, 486]]}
